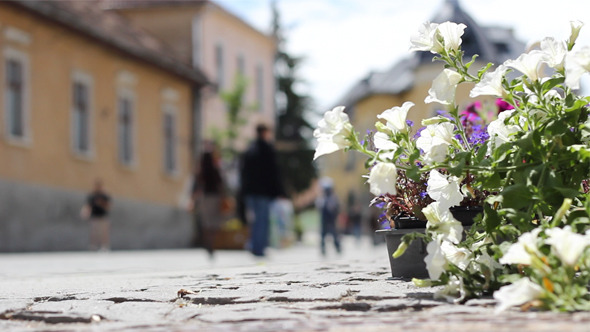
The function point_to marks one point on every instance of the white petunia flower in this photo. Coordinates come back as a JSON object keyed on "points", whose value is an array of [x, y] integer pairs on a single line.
{"points": [[458, 256], [434, 141], [567, 245], [451, 33], [444, 87], [453, 291], [499, 131], [396, 117], [486, 260], [424, 40], [555, 52], [575, 31], [435, 260], [443, 189], [333, 132], [490, 84], [520, 292], [441, 221], [521, 251], [382, 179], [576, 65], [385, 145], [429, 34], [529, 64]]}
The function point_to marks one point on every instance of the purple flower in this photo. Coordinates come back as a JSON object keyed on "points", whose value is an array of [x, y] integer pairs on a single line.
{"points": [[410, 123], [418, 132]]}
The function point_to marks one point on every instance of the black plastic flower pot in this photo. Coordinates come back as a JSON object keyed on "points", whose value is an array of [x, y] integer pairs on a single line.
{"points": [[466, 214], [411, 264]]}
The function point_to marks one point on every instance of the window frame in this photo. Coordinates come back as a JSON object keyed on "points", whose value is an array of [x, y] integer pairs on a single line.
{"points": [[170, 166], [260, 87], [85, 79], [22, 58], [127, 94], [219, 57]]}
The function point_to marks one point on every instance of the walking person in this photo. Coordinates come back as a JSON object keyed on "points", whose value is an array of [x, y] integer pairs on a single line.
{"points": [[96, 210], [329, 206], [260, 184], [208, 195]]}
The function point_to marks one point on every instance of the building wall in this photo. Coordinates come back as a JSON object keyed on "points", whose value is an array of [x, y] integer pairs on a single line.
{"points": [[204, 28], [46, 160]]}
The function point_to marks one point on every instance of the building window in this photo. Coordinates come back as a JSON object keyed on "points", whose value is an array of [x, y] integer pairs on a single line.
{"points": [[81, 114], [169, 128], [219, 66], [260, 88], [125, 130], [241, 64], [16, 95]]}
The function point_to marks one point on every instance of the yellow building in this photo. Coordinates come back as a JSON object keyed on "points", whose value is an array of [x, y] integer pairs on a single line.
{"points": [[85, 95], [409, 80], [223, 45]]}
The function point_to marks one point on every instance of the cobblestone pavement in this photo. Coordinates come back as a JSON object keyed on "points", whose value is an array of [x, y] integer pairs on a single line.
{"points": [[291, 290]]}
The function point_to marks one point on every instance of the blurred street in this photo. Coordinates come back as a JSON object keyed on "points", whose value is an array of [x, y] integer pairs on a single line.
{"points": [[294, 289]]}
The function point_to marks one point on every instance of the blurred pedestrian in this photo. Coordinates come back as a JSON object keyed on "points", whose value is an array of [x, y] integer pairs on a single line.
{"points": [[354, 216], [209, 199], [260, 184], [96, 210], [329, 207]]}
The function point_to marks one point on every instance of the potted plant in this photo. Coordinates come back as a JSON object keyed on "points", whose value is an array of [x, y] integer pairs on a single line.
{"points": [[531, 246], [403, 210]]}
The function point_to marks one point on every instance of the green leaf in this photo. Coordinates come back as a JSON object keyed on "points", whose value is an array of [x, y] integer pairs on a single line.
{"points": [[491, 219], [516, 196], [468, 64], [484, 70], [551, 83]]}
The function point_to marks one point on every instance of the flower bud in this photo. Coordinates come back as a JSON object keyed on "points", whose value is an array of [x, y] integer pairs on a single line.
{"points": [[422, 282], [434, 120], [400, 250], [576, 26]]}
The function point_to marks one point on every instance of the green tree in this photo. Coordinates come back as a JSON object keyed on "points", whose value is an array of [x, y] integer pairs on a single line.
{"points": [[293, 130], [235, 108]]}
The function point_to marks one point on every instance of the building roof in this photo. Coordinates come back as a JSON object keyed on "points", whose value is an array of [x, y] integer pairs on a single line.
{"points": [[492, 44], [88, 18], [136, 4]]}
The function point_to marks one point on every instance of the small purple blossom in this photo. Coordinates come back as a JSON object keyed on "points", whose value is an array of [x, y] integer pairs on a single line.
{"points": [[410, 123], [418, 132]]}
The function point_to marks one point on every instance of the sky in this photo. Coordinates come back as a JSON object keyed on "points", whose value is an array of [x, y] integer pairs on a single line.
{"points": [[343, 40]]}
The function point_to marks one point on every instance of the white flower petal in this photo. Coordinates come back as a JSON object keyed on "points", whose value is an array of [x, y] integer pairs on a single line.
{"points": [[490, 84], [451, 33], [443, 189], [382, 179], [520, 292], [333, 132], [443, 87], [568, 246], [521, 251], [424, 40], [576, 65], [555, 52], [529, 64], [396, 117]]}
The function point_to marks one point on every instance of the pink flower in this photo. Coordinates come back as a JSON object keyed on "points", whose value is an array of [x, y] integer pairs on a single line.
{"points": [[503, 105]]}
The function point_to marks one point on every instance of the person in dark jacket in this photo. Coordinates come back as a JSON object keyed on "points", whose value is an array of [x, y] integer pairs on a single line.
{"points": [[96, 210], [260, 184], [208, 193]]}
